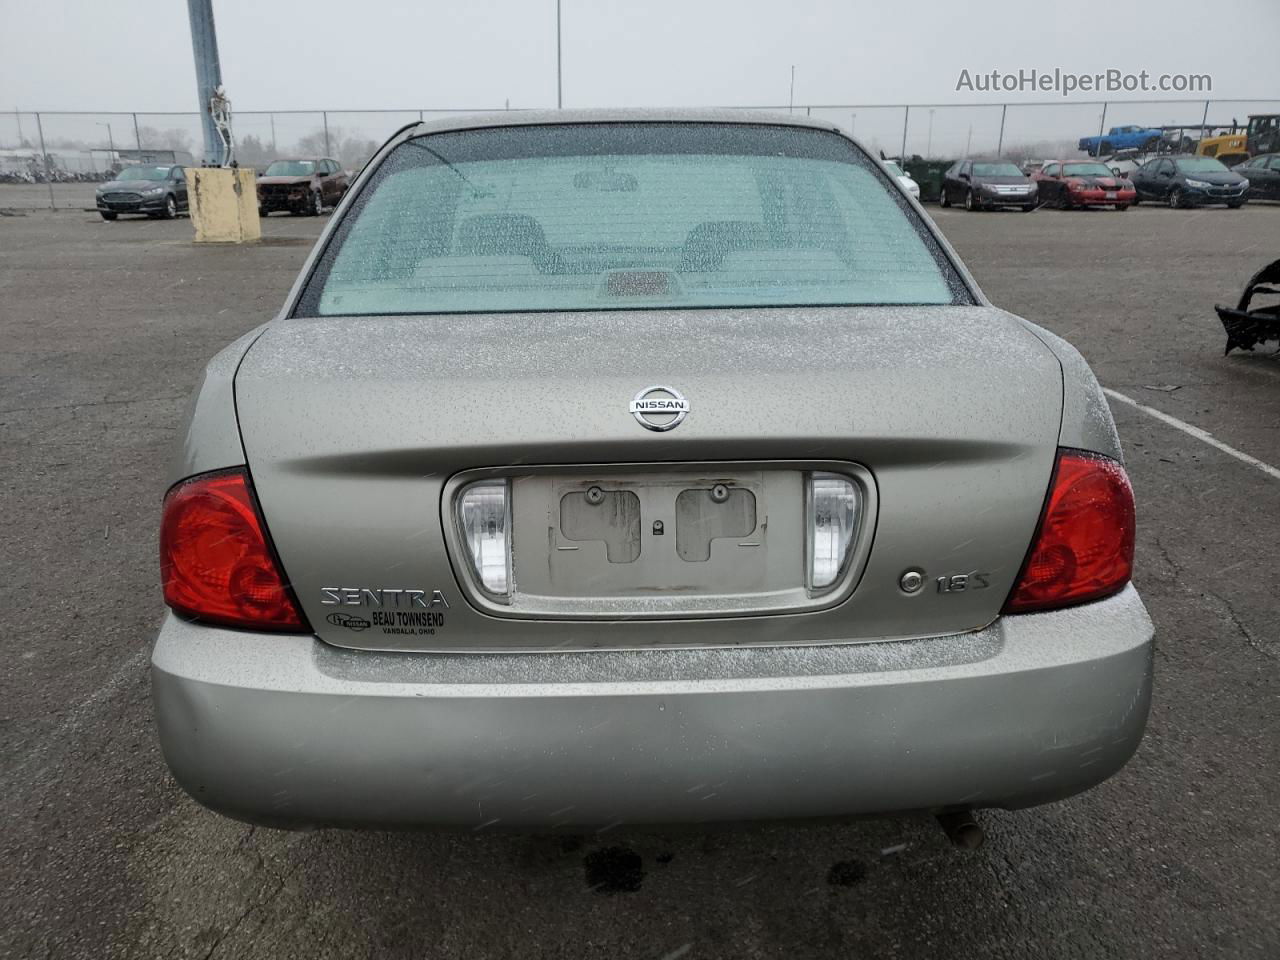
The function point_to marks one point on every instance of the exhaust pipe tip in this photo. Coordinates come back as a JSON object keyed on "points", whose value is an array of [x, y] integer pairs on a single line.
{"points": [[962, 829]]}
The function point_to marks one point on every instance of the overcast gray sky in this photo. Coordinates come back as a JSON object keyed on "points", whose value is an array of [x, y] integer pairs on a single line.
{"points": [[352, 54]]}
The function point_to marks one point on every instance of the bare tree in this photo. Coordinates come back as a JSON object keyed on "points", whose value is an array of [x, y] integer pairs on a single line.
{"points": [[350, 151], [354, 152], [252, 152], [169, 139], [313, 145]]}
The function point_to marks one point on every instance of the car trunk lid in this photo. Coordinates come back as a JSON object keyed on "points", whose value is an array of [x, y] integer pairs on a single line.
{"points": [[354, 427]]}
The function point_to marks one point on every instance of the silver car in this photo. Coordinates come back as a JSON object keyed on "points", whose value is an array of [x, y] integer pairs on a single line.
{"points": [[617, 467]]}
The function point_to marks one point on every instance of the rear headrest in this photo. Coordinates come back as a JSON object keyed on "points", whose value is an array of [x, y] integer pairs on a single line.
{"points": [[707, 243], [502, 234]]}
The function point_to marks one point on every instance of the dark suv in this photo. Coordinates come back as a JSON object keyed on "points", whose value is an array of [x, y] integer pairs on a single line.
{"points": [[156, 189], [301, 185]]}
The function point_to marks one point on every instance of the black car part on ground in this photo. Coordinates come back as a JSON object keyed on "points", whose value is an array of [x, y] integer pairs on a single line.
{"points": [[1246, 328]]}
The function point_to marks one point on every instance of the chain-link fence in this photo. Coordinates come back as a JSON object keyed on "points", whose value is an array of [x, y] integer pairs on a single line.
{"points": [[57, 147]]}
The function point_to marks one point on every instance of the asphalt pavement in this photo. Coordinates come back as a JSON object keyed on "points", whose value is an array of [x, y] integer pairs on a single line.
{"points": [[105, 328]]}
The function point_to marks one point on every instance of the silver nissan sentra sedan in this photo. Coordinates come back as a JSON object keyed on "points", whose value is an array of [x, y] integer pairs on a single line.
{"points": [[618, 467]]}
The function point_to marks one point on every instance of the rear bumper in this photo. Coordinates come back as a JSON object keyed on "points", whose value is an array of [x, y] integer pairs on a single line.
{"points": [[147, 205], [1199, 196], [296, 199], [1008, 200], [1099, 198], [287, 730]]}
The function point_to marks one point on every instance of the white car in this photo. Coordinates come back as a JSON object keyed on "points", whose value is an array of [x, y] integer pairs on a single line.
{"points": [[1123, 164], [912, 187]]}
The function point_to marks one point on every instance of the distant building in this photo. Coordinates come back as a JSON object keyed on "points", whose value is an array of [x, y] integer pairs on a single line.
{"points": [[153, 155], [22, 160]]}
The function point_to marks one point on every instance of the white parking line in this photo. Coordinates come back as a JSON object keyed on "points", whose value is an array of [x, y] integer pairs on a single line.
{"points": [[1196, 432], [79, 715]]}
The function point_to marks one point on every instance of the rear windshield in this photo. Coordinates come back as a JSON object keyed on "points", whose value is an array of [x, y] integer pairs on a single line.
{"points": [[627, 216], [1086, 170], [143, 173], [996, 170], [1200, 165], [290, 168]]}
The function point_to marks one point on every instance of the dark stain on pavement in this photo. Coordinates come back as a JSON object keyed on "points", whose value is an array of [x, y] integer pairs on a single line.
{"points": [[847, 873], [614, 870]]}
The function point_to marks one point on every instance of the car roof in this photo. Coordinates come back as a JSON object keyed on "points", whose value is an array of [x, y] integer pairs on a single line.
{"points": [[522, 118]]}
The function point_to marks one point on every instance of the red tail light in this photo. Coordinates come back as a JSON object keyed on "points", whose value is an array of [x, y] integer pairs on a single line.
{"points": [[1083, 548], [215, 562]]}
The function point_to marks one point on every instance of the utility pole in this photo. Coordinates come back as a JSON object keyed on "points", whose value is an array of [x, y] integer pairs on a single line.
{"points": [[223, 197], [204, 45], [44, 155], [559, 73], [928, 150], [111, 141], [111, 145], [791, 100]]}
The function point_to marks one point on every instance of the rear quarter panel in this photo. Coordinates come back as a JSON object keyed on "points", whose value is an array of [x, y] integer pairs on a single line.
{"points": [[209, 438], [1087, 423]]}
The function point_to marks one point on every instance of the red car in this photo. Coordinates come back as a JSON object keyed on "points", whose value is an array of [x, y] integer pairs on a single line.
{"points": [[301, 186], [1082, 183]]}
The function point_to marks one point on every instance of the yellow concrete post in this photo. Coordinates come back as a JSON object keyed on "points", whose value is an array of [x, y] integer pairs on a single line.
{"points": [[223, 205]]}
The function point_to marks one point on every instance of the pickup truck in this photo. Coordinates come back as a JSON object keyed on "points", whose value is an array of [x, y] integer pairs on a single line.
{"points": [[1121, 138]]}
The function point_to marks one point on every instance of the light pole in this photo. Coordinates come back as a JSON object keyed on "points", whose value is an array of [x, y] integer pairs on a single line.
{"points": [[559, 69], [928, 150], [791, 99], [111, 143], [204, 46]]}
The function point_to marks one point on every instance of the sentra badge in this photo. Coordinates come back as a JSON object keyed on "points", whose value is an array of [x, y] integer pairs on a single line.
{"points": [[383, 597]]}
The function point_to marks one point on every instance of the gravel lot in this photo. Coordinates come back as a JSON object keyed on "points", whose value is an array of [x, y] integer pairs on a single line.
{"points": [[105, 327]]}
